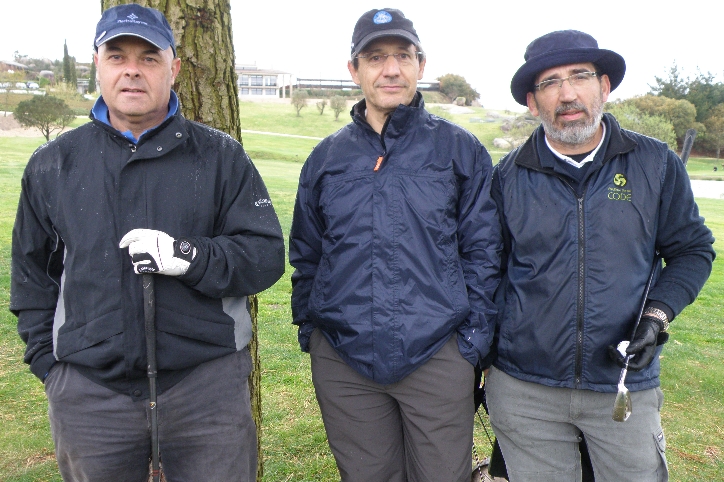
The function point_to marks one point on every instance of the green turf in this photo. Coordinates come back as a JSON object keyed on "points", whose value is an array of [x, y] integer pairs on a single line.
{"points": [[294, 444]]}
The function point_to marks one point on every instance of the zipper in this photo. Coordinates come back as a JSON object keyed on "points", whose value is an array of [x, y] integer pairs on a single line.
{"points": [[580, 297], [379, 163], [581, 293]]}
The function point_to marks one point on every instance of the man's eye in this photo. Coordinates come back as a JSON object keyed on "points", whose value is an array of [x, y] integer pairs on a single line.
{"points": [[375, 58], [404, 56]]}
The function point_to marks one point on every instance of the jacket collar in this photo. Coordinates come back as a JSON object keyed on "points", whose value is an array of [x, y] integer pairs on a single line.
{"points": [[619, 142], [398, 122], [99, 112]]}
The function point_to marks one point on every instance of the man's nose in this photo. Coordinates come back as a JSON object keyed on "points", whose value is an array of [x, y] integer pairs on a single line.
{"points": [[391, 67]]}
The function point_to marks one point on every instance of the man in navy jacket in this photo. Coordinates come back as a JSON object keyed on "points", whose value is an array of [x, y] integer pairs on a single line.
{"points": [[585, 207], [395, 241]]}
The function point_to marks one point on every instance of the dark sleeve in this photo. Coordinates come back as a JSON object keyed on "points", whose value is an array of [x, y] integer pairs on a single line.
{"points": [[684, 241], [247, 256], [305, 244], [479, 245], [36, 269]]}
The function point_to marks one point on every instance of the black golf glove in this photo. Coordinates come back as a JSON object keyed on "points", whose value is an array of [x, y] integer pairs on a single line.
{"points": [[643, 346]]}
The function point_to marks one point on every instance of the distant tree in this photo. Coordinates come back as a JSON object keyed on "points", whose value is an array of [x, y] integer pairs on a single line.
{"points": [[715, 128], [673, 87], [299, 100], [337, 104], [704, 93], [680, 112], [47, 113], [73, 74], [66, 63], [631, 118], [454, 86], [92, 79], [321, 105]]}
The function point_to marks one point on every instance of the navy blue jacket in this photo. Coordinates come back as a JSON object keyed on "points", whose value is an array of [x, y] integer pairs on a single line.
{"points": [[575, 267], [74, 290], [391, 262]]}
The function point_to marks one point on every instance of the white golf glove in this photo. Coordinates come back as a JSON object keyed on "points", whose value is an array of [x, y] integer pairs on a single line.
{"points": [[156, 252]]}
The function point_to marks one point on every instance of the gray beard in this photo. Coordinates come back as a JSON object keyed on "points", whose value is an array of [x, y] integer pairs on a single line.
{"points": [[575, 133]]}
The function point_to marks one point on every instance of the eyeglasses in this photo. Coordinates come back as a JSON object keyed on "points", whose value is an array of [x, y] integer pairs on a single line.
{"points": [[553, 86], [404, 59]]}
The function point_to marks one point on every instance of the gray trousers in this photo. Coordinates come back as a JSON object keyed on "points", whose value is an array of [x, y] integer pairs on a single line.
{"points": [[206, 432], [539, 427], [417, 430]]}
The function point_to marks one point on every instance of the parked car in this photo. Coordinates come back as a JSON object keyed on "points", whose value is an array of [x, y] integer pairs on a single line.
{"points": [[33, 85], [20, 85]]}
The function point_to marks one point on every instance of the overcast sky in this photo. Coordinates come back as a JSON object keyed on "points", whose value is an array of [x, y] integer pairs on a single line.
{"points": [[482, 41]]}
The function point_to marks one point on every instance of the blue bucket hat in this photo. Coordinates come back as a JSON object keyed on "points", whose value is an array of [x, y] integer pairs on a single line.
{"points": [[137, 21], [562, 48]]}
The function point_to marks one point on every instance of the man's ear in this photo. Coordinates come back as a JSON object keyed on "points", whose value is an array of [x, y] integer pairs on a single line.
{"points": [[532, 105], [353, 72]]}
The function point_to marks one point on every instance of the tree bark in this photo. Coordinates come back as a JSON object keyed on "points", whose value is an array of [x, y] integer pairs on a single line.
{"points": [[208, 93]]}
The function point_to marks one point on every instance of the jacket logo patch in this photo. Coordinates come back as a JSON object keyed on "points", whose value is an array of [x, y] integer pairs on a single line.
{"points": [[619, 193], [263, 203]]}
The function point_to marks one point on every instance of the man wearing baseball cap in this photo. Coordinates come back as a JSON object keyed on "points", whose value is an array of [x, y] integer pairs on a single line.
{"points": [[140, 189], [395, 242], [586, 209]]}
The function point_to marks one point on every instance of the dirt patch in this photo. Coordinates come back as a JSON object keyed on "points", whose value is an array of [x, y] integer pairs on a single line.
{"points": [[9, 127]]}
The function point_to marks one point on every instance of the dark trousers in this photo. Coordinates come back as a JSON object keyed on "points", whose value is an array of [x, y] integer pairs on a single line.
{"points": [[206, 432], [419, 429]]}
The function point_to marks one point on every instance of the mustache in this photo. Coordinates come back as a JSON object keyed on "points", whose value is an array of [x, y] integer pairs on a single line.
{"points": [[569, 106]]}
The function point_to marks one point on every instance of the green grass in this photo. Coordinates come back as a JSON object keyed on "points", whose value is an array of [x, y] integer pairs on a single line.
{"points": [[294, 443]]}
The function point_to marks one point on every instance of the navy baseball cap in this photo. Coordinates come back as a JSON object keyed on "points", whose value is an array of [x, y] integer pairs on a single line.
{"points": [[562, 48], [382, 23], [137, 21]]}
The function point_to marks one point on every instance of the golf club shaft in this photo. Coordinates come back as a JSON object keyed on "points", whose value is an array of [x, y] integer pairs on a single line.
{"points": [[149, 312], [623, 396]]}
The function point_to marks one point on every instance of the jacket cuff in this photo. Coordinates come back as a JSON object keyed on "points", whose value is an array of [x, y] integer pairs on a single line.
{"points": [[41, 365]]}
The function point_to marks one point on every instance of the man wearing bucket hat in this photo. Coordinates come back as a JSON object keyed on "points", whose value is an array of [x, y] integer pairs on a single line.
{"points": [[186, 203], [395, 241], [585, 207]]}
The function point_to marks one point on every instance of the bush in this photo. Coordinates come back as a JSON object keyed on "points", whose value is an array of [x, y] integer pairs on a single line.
{"points": [[633, 119]]}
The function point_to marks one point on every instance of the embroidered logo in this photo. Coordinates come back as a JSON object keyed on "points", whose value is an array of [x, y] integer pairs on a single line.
{"points": [[382, 17], [263, 203], [133, 16], [619, 193]]}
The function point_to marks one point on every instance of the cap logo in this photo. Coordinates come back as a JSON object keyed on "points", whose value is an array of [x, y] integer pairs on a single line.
{"points": [[382, 17], [133, 16]]}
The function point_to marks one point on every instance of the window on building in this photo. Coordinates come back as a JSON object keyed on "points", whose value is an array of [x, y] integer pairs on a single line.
{"points": [[244, 79], [257, 91], [244, 91], [270, 91], [257, 79], [270, 80]]}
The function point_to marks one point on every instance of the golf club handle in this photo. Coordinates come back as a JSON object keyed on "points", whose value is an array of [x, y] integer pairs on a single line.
{"points": [[654, 265], [687, 145], [149, 313]]}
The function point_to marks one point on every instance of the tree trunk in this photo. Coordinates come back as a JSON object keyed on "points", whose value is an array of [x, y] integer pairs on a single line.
{"points": [[208, 93]]}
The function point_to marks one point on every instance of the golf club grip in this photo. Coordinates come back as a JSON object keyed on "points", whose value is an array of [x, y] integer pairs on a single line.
{"points": [[149, 313], [688, 143]]}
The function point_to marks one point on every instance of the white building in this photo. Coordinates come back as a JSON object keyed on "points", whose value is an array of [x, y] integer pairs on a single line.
{"points": [[254, 81]]}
